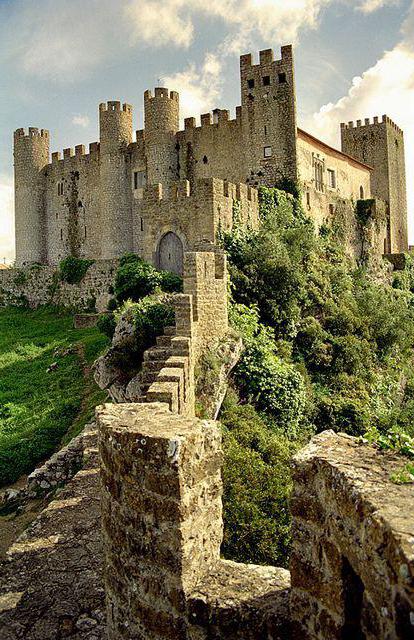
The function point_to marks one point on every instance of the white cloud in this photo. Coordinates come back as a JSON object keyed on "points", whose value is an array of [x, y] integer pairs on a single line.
{"points": [[199, 89], [6, 218], [369, 6], [385, 88], [81, 121], [77, 36]]}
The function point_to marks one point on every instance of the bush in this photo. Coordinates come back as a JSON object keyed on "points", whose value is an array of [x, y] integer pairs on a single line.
{"points": [[257, 486], [171, 282], [136, 279], [106, 324], [150, 319], [72, 270]]}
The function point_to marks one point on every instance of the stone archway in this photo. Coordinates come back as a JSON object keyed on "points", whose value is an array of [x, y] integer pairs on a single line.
{"points": [[170, 254]]}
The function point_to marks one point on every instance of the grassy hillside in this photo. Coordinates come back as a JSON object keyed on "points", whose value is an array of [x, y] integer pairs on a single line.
{"points": [[40, 409]]}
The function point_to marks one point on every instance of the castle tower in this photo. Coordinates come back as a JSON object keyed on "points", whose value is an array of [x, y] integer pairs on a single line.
{"points": [[161, 125], [269, 117], [115, 126], [31, 155], [381, 145]]}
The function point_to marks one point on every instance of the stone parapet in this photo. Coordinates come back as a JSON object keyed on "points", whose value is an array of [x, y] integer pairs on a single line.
{"points": [[352, 563]]}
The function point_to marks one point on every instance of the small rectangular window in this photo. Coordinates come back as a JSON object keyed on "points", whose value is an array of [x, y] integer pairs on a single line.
{"points": [[331, 209], [331, 179], [139, 179], [142, 225], [61, 234], [282, 78], [266, 81], [318, 174], [308, 199], [267, 152], [250, 84], [265, 130]]}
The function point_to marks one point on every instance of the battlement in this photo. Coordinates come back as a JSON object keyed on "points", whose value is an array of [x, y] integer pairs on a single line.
{"points": [[31, 132], [161, 92], [216, 117], [266, 58], [385, 120], [204, 188], [78, 152], [115, 105]]}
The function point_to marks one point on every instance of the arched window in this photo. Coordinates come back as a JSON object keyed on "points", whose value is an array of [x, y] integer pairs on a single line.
{"points": [[361, 192]]}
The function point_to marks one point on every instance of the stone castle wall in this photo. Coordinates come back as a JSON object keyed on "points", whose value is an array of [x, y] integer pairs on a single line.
{"points": [[38, 285], [352, 564], [195, 214]]}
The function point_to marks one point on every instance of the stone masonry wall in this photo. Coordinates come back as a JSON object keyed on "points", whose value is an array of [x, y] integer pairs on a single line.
{"points": [[38, 285], [352, 564], [162, 527], [195, 214]]}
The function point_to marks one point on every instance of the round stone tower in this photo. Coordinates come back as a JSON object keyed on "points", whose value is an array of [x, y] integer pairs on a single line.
{"points": [[115, 126], [31, 155], [162, 112]]}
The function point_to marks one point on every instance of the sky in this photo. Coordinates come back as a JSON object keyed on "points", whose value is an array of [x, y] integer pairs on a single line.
{"points": [[60, 58]]}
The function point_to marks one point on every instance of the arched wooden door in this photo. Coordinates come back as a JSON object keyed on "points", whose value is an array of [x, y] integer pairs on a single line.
{"points": [[170, 255]]}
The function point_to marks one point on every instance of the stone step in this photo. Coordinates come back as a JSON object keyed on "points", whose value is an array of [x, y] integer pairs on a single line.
{"points": [[148, 377], [157, 353], [169, 331], [163, 341], [152, 365]]}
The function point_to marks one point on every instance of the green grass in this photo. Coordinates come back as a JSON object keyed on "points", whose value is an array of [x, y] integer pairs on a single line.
{"points": [[40, 410]]}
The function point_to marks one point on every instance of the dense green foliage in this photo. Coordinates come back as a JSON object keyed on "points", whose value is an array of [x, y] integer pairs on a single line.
{"points": [[73, 270], [328, 346], [136, 279], [39, 408]]}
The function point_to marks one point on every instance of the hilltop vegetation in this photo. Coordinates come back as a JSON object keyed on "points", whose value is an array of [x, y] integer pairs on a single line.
{"points": [[40, 409], [328, 346]]}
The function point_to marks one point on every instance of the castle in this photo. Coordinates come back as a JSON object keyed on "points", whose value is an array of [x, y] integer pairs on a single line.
{"points": [[171, 189]]}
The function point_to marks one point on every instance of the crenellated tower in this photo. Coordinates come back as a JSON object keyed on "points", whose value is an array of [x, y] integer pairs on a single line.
{"points": [[115, 126], [380, 144], [161, 125], [31, 155], [269, 117]]}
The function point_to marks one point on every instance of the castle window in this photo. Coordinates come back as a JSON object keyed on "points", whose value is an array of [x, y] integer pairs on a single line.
{"points": [[361, 192], [61, 234], [85, 233], [318, 174], [250, 84], [331, 209], [331, 179], [205, 160], [60, 188], [282, 78], [265, 130], [308, 199], [139, 179], [266, 81], [267, 152], [142, 224]]}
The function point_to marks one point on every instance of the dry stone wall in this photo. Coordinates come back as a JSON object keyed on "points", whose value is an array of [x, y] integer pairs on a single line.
{"points": [[352, 564], [39, 284]]}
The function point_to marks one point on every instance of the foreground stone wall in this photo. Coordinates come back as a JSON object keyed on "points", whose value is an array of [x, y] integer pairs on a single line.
{"points": [[37, 285], [352, 564], [162, 525]]}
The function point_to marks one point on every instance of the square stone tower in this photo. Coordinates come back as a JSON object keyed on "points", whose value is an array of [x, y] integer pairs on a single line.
{"points": [[380, 144]]}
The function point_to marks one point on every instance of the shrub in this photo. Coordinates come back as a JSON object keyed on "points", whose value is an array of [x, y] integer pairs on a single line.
{"points": [[112, 304], [150, 319], [135, 279], [106, 324], [72, 270], [171, 282], [257, 486]]}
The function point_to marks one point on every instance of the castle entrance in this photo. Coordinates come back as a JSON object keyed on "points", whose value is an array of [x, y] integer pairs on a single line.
{"points": [[170, 253]]}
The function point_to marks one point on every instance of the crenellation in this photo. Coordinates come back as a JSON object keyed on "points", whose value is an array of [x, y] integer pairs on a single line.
{"points": [[206, 119], [68, 153], [80, 150]]}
